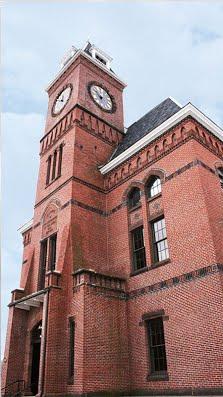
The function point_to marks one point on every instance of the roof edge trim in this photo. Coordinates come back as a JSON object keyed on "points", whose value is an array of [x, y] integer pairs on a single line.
{"points": [[26, 226], [81, 52], [187, 110]]}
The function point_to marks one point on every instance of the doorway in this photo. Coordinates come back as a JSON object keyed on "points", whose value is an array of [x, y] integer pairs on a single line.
{"points": [[36, 344]]}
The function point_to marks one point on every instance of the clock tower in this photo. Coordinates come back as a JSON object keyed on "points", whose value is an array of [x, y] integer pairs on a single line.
{"points": [[68, 231]]}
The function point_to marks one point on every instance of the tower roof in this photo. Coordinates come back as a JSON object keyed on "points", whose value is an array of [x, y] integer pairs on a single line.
{"points": [[92, 53]]}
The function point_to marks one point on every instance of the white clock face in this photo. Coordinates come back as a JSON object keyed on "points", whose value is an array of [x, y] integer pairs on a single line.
{"points": [[101, 97], [61, 100]]}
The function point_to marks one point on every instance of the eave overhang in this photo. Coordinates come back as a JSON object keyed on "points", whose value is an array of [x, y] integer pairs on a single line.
{"points": [[187, 110]]}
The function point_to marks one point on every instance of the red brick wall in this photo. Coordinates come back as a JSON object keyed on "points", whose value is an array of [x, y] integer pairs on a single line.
{"points": [[93, 225]]}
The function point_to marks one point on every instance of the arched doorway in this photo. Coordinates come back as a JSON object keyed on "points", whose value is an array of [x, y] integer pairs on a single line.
{"points": [[36, 343]]}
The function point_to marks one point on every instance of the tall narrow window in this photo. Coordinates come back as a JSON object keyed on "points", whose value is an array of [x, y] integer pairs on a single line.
{"points": [[42, 269], [71, 348], [157, 348], [138, 248], [60, 160], [54, 165], [160, 245], [154, 186], [52, 254], [134, 197], [48, 169]]}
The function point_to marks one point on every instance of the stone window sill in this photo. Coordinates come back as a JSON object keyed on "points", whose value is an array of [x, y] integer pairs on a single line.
{"points": [[159, 376], [158, 264], [135, 208], [149, 199], [139, 271], [50, 183]]}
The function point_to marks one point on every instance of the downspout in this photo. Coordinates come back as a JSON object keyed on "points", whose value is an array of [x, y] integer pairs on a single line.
{"points": [[43, 344]]}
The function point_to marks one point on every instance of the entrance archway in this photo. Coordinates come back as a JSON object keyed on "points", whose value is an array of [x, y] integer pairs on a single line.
{"points": [[36, 344]]}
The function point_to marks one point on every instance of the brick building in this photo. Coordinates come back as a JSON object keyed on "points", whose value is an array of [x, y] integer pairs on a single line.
{"points": [[121, 286]]}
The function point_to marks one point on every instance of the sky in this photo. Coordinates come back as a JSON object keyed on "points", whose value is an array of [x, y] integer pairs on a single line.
{"points": [[159, 48]]}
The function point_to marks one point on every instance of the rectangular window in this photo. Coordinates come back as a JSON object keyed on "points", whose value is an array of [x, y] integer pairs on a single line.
{"points": [[47, 258], [138, 248], [43, 259], [71, 347], [52, 249], [160, 246], [157, 346]]}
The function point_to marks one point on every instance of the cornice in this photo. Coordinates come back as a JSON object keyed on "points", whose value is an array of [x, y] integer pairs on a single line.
{"points": [[187, 111]]}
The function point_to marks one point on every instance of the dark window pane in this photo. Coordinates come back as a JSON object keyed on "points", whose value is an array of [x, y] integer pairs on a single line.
{"points": [[42, 267], [134, 198], [54, 165], [60, 160], [157, 345], [52, 255], [139, 258], [48, 169], [72, 346]]}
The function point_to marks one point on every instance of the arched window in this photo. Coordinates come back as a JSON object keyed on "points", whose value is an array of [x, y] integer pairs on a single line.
{"points": [[134, 197], [153, 186], [220, 175]]}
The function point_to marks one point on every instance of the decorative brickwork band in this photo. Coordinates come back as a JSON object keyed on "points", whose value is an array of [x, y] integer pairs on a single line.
{"points": [[106, 283], [81, 116]]}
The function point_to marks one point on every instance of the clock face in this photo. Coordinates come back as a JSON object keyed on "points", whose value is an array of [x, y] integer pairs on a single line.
{"points": [[61, 100], [101, 98]]}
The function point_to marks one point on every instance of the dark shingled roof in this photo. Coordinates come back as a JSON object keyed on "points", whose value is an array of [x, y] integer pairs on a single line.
{"points": [[146, 124]]}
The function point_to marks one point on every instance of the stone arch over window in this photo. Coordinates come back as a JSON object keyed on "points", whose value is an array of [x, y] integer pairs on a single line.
{"points": [[134, 185], [153, 186], [134, 197], [153, 182], [154, 172]]}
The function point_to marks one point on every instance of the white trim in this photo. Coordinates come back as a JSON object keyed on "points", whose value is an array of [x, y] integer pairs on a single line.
{"points": [[188, 110], [175, 101], [26, 226], [94, 61]]}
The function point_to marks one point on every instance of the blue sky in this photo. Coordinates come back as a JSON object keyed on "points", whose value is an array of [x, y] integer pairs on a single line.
{"points": [[160, 49]]}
